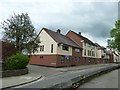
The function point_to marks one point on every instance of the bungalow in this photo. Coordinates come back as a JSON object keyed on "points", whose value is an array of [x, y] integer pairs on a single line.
{"points": [[56, 50]]}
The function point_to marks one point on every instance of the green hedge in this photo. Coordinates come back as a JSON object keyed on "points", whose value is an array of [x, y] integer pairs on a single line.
{"points": [[17, 61]]}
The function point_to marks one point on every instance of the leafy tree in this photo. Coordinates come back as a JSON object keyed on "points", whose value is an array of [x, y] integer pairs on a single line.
{"points": [[114, 42], [18, 29]]}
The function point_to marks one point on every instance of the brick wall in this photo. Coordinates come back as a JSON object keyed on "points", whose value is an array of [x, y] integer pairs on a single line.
{"points": [[8, 49], [77, 57], [111, 58], [47, 60], [51, 60], [77, 39], [65, 63]]}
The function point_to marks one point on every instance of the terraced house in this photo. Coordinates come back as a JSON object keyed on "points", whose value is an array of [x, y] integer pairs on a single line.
{"points": [[59, 50], [89, 53], [103, 55], [92, 52], [116, 57]]}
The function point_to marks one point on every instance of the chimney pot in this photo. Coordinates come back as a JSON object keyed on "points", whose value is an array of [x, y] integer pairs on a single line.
{"points": [[58, 31], [79, 33]]}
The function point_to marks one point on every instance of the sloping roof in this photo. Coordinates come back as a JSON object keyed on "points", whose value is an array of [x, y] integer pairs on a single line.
{"points": [[115, 53], [84, 38], [61, 39], [98, 45], [119, 53], [101, 47], [109, 52]]}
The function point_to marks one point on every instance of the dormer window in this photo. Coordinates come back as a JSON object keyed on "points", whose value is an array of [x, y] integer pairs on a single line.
{"points": [[77, 50], [65, 47]]}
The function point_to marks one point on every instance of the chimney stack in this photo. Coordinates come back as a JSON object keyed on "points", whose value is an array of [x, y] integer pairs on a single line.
{"points": [[79, 33], [58, 31]]}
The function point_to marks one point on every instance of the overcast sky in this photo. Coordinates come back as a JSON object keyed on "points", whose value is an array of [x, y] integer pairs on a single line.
{"points": [[93, 19]]}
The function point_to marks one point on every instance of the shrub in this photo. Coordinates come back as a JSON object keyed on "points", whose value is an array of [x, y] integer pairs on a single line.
{"points": [[17, 61]]}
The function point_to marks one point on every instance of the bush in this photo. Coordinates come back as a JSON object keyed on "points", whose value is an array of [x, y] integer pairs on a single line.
{"points": [[17, 61]]}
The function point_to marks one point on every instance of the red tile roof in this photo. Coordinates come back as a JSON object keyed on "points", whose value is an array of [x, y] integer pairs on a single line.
{"points": [[84, 38]]}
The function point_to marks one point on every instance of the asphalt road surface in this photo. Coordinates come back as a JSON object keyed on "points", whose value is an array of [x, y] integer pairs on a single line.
{"points": [[52, 76], [109, 80]]}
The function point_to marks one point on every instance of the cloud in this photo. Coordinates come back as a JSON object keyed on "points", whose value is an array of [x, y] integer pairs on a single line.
{"points": [[93, 19]]}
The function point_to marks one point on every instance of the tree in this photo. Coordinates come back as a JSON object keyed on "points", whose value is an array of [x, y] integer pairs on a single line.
{"points": [[114, 42], [18, 29]]}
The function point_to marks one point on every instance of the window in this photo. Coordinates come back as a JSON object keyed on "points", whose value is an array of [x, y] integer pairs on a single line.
{"points": [[41, 47], [84, 51], [77, 50], [41, 57], [85, 60], [79, 59], [62, 59], [93, 53], [84, 43], [51, 48], [88, 53], [65, 47], [89, 60], [67, 58], [75, 59]]}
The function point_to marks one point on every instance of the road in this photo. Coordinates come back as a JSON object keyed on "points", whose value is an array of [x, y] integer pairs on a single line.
{"points": [[109, 80], [53, 76]]}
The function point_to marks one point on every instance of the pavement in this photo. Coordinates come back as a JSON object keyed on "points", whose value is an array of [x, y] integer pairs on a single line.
{"points": [[38, 75], [20, 80], [65, 69]]}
